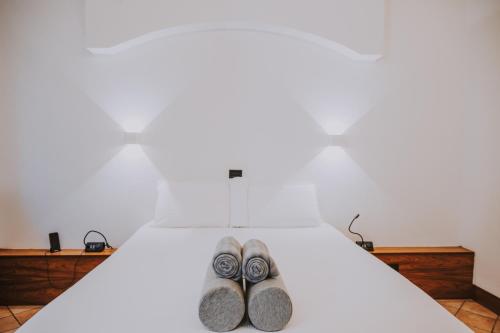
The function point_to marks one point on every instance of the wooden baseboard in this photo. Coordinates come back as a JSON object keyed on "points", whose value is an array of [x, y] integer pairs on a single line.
{"points": [[486, 299]]}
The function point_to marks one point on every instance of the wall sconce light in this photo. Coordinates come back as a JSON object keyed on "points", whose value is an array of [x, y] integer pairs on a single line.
{"points": [[131, 138], [338, 140]]}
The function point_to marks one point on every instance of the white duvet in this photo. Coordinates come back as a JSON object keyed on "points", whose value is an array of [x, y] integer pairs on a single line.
{"points": [[153, 283]]}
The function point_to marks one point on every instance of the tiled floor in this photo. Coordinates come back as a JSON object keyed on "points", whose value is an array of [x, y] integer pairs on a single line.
{"points": [[474, 315], [12, 317]]}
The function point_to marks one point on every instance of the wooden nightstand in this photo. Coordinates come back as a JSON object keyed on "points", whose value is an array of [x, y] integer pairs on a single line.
{"points": [[442, 272], [33, 276]]}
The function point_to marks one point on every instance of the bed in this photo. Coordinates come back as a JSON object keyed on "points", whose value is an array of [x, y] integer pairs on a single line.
{"points": [[153, 283]]}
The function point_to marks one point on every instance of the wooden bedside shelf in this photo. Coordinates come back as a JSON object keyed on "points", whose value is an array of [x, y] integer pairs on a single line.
{"points": [[442, 272], [426, 250], [36, 276], [41, 252]]}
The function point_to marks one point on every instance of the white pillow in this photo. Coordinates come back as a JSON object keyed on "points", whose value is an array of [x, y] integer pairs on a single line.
{"points": [[192, 204], [289, 206]]}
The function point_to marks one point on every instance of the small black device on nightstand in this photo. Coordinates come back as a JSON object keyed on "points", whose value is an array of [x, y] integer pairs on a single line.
{"points": [[55, 245], [95, 246], [367, 245]]}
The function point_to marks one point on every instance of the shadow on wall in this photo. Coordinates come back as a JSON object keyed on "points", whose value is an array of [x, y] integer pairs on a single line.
{"points": [[62, 146], [262, 132], [411, 169], [479, 208], [15, 226]]}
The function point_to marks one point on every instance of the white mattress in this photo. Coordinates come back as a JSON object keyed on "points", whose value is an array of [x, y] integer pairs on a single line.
{"points": [[153, 283]]}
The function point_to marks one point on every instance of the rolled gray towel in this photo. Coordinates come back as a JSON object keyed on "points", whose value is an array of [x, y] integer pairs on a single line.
{"points": [[227, 259], [222, 303], [268, 304], [258, 265]]}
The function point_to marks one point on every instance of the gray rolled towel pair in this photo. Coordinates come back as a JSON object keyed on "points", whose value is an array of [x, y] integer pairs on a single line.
{"points": [[258, 264], [222, 305], [227, 259]]}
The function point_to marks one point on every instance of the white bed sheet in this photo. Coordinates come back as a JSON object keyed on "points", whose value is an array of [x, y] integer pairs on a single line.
{"points": [[153, 283]]}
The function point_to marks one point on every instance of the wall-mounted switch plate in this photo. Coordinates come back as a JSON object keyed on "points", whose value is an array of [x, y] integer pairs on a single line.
{"points": [[235, 173]]}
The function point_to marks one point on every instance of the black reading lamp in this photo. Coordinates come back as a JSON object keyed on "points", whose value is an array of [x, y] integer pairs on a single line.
{"points": [[368, 245]]}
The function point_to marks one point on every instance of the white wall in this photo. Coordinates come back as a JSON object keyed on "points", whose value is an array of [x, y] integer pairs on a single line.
{"points": [[480, 206], [206, 102], [4, 153], [357, 24]]}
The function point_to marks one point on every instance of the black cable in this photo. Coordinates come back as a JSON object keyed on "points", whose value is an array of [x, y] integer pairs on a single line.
{"points": [[355, 233], [97, 232]]}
